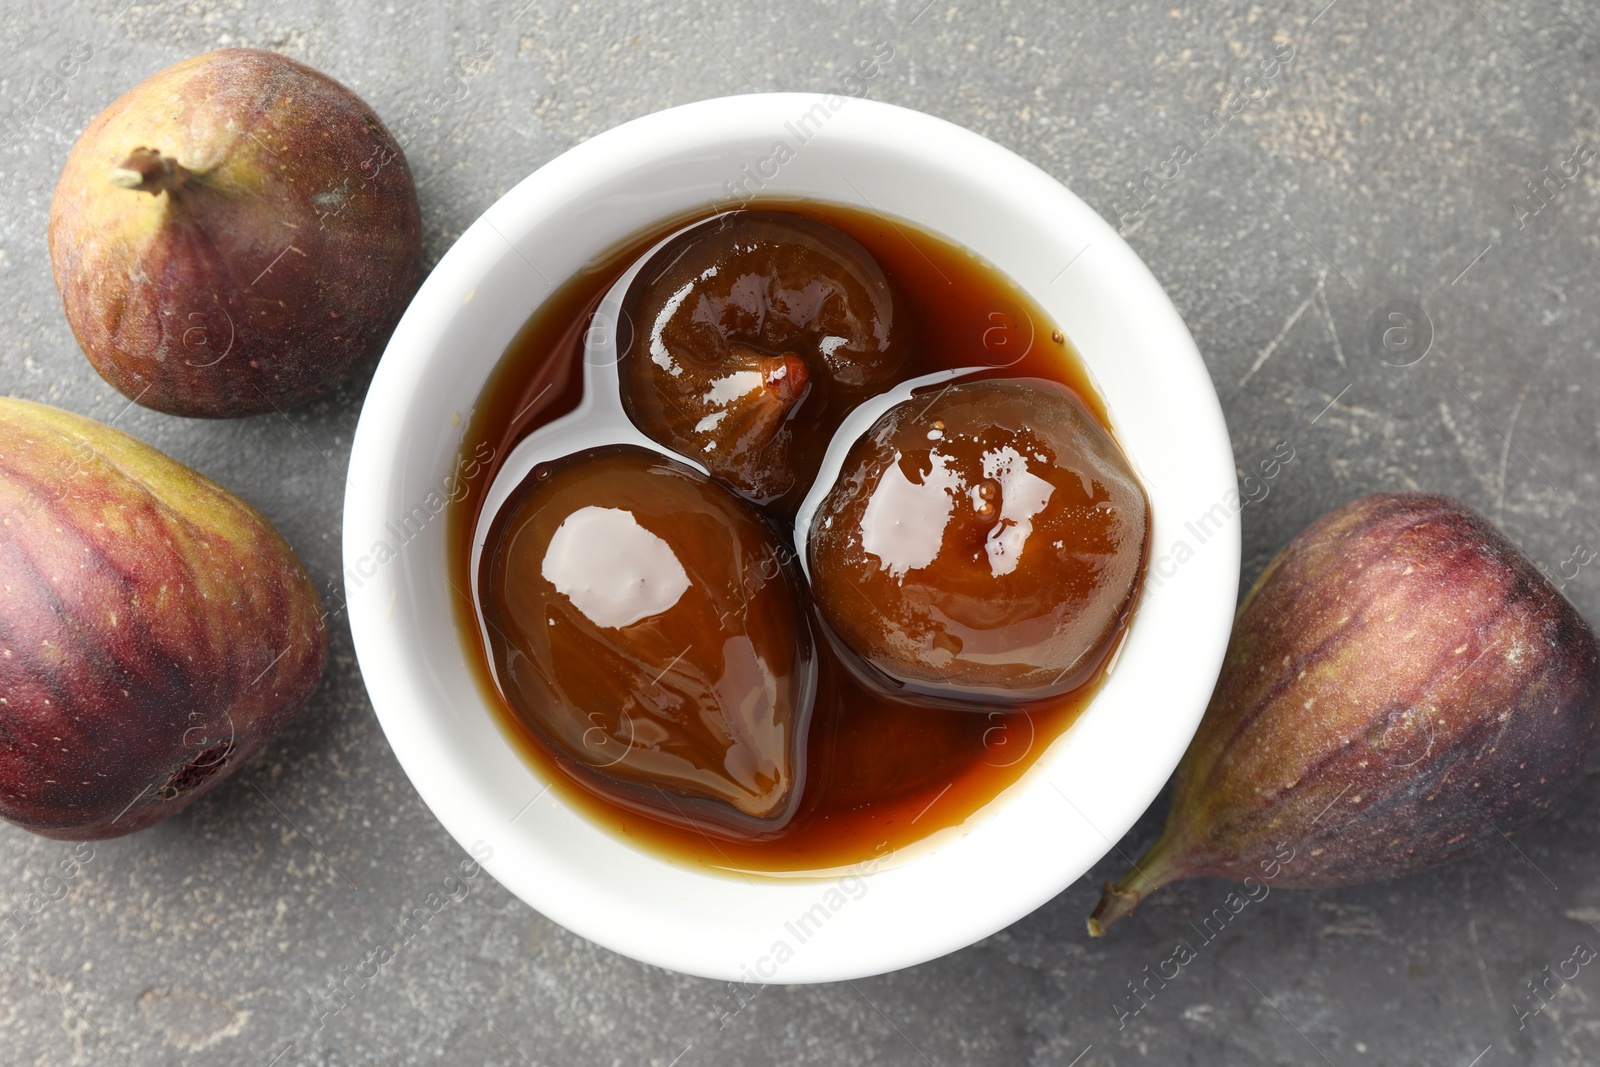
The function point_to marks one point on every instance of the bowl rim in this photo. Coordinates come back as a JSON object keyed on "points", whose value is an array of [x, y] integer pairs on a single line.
{"points": [[456, 795]]}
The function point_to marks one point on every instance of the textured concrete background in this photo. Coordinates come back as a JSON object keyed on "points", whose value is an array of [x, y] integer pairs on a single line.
{"points": [[1382, 165]]}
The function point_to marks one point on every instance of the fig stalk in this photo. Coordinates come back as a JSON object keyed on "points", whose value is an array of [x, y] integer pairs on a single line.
{"points": [[1117, 899], [148, 171]]}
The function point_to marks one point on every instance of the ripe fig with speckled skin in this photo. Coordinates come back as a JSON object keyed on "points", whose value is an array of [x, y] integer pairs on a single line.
{"points": [[1402, 687], [236, 234], [155, 630]]}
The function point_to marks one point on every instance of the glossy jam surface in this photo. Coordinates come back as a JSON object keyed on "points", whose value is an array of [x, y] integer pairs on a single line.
{"points": [[645, 624], [748, 338], [982, 542], [880, 771]]}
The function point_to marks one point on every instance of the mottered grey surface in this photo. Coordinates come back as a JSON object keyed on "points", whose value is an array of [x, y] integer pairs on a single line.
{"points": [[1385, 166]]}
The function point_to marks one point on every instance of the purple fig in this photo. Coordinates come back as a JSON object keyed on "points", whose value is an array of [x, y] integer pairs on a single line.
{"points": [[155, 630], [237, 234], [1402, 687]]}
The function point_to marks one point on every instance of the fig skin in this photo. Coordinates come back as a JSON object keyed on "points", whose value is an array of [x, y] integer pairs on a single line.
{"points": [[155, 630], [235, 235], [1402, 686]]}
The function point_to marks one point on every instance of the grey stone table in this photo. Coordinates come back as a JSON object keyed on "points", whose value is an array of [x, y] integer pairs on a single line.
{"points": [[1388, 161]]}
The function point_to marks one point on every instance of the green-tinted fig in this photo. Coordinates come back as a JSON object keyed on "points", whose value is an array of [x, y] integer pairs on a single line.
{"points": [[1402, 686], [235, 234], [155, 630]]}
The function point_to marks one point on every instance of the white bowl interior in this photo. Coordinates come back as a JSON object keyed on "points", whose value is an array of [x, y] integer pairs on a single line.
{"points": [[1019, 851]]}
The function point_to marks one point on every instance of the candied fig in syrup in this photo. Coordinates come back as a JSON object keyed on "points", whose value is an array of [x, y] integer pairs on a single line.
{"points": [[752, 336], [982, 544], [649, 627]]}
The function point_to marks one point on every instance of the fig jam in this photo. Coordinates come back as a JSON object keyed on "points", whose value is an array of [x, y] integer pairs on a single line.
{"points": [[882, 768]]}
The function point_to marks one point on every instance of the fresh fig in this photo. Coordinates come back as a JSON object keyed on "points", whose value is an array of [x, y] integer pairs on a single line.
{"points": [[237, 234], [1402, 687], [155, 630]]}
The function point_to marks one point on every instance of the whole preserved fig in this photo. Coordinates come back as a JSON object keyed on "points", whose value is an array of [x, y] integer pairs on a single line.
{"points": [[235, 234], [751, 338], [155, 630], [1402, 687], [983, 544], [647, 625]]}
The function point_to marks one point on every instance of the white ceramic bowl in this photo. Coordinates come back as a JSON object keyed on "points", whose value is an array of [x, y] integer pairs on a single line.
{"points": [[964, 883]]}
